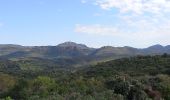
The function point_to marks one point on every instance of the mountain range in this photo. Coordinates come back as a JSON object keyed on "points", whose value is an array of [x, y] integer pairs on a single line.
{"points": [[77, 53], [71, 49]]}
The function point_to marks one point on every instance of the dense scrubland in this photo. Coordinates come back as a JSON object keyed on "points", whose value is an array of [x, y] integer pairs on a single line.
{"points": [[132, 78]]}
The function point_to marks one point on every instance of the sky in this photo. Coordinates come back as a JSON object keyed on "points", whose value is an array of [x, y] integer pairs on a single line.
{"points": [[96, 23]]}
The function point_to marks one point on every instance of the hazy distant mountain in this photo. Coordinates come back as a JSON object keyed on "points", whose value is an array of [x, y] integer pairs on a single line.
{"points": [[10, 48], [156, 49], [73, 50], [111, 51], [72, 45], [67, 49], [167, 48]]}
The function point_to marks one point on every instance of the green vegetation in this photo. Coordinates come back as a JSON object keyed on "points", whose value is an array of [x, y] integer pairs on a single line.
{"points": [[135, 78]]}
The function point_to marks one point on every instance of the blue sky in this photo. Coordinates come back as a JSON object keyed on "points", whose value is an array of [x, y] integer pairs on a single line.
{"points": [[137, 23]]}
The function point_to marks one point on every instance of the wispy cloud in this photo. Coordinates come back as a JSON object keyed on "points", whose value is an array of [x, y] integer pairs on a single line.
{"points": [[136, 6], [140, 28], [83, 1], [97, 29], [156, 35], [136, 16], [141, 21]]}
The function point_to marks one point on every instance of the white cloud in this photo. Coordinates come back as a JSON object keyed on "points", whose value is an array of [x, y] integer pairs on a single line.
{"points": [[136, 6], [97, 29], [144, 32], [141, 21], [138, 16], [141, 28], [83, 1]]}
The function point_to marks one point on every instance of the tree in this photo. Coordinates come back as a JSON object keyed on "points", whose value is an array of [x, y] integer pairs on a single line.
{"points": [[42, 86]]}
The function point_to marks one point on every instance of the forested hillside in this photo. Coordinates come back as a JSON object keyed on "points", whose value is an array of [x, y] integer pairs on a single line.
{"points": [[134, 78]]}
